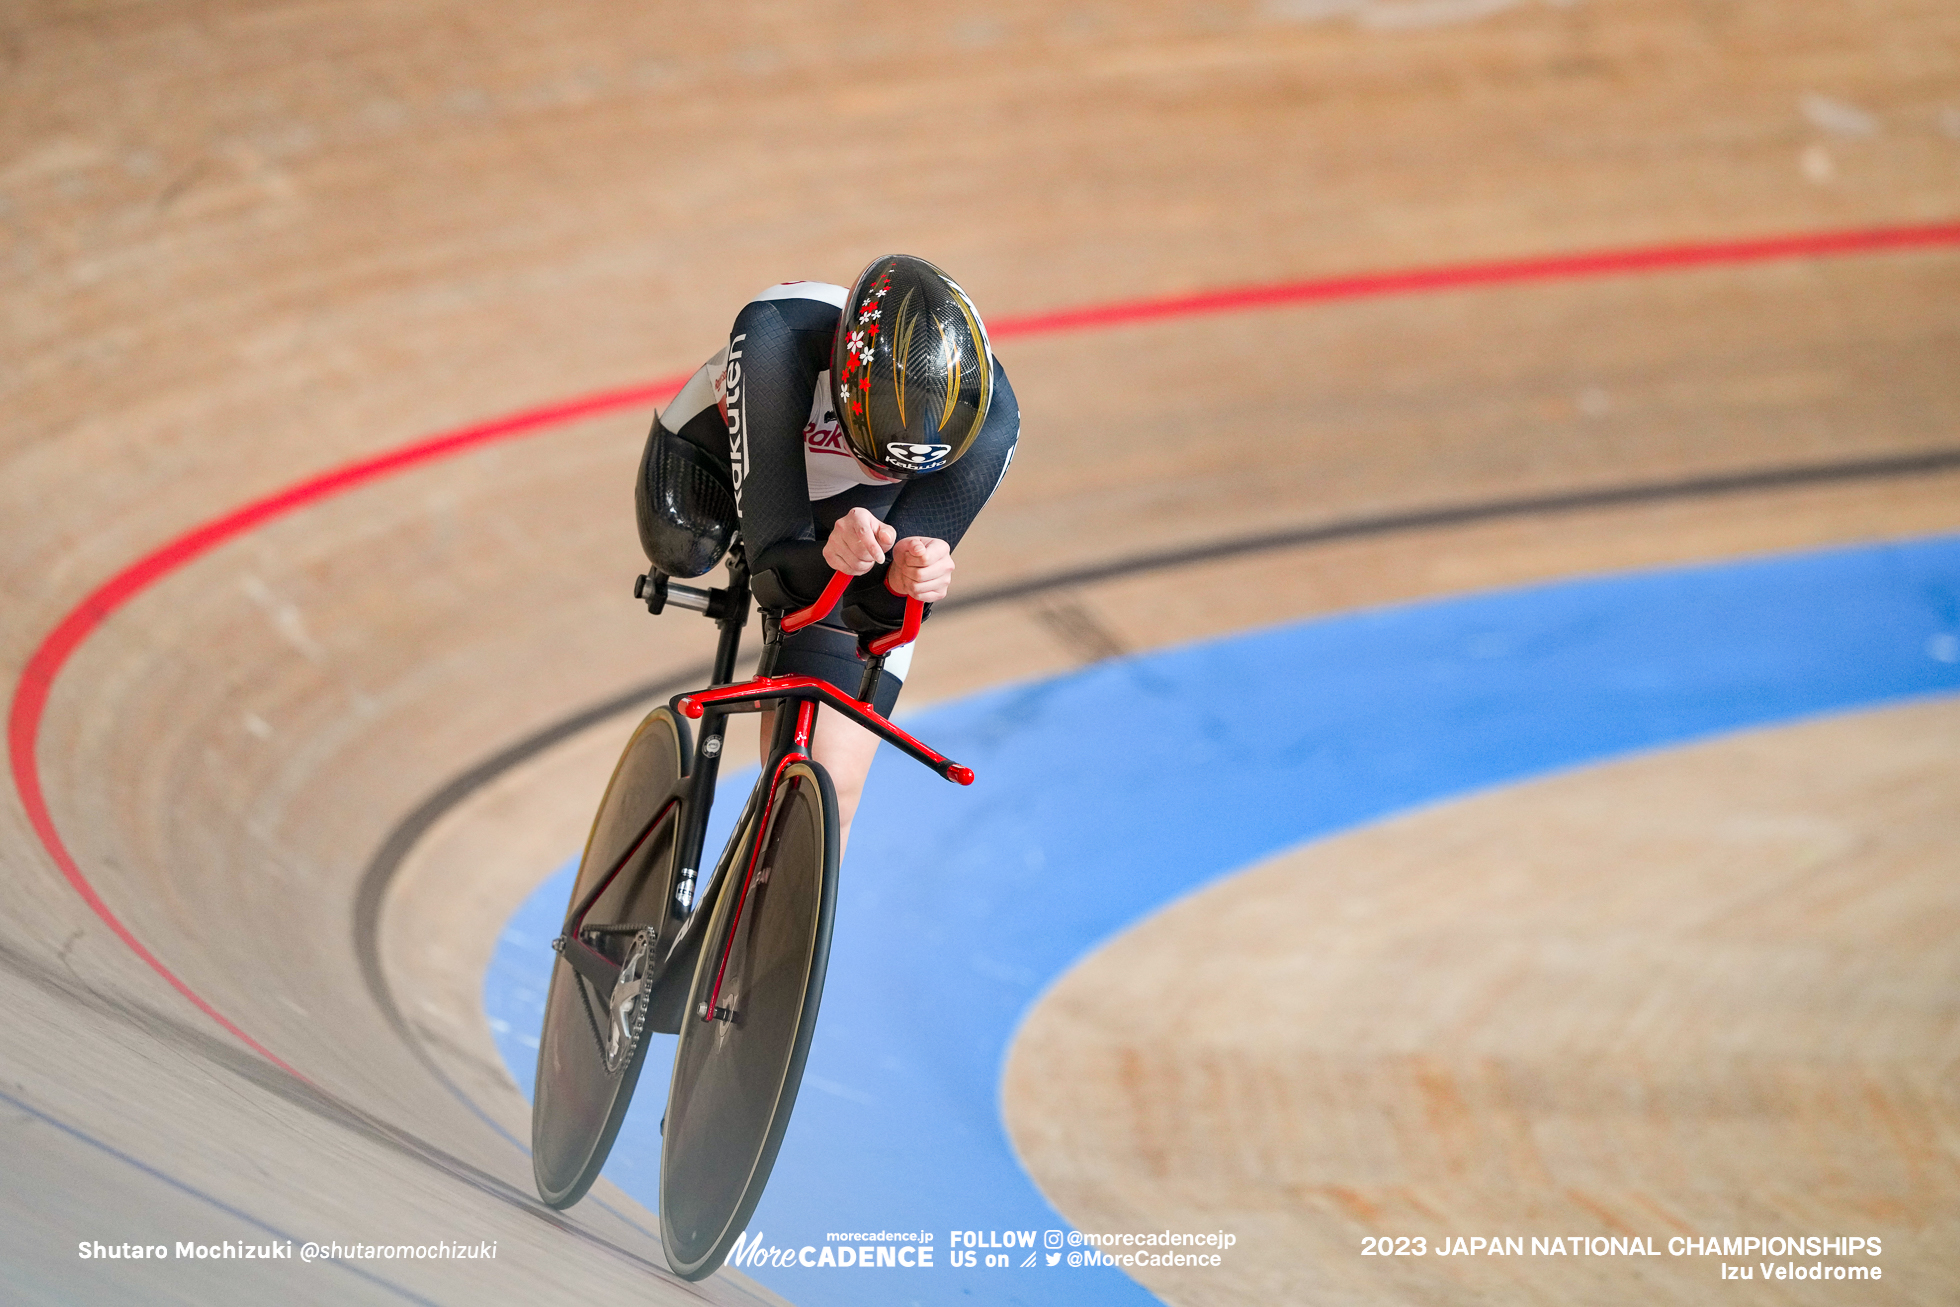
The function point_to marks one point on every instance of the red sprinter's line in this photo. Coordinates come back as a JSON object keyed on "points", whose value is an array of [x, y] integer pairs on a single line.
{"points": [[52, 654]]}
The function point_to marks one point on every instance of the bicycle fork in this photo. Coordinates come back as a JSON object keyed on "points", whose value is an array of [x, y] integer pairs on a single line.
{"points": [[796, 749]]}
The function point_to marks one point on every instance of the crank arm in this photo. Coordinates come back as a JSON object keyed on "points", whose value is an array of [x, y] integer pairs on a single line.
{"points": [[595, 966]]}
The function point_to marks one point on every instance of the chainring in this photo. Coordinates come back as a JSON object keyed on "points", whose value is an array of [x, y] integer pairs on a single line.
{"points": [[631, 996]]}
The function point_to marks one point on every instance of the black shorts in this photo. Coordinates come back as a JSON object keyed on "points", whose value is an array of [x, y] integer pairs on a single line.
{"points": [[829, 653]]}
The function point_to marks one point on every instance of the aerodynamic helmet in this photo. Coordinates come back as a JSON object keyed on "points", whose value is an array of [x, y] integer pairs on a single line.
{"points": [[911, 368]]}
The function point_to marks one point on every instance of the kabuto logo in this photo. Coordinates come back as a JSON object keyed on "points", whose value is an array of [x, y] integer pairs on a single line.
{"points": [[917, 458]]}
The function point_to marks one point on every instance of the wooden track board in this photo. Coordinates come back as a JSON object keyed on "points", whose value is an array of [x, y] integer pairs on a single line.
{"points": [[1704, 991], [243, 243]]}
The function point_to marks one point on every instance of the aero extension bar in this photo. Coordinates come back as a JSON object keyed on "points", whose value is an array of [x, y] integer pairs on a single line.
{"points": [[757, 694]]}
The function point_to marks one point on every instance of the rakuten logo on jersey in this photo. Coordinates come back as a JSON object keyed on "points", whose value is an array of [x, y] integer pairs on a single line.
{"points": [[916, 458], [730, 394], [827, 438]]}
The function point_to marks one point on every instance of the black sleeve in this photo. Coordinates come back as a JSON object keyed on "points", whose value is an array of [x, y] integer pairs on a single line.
{"points": [[776, 350], [941, 506]]}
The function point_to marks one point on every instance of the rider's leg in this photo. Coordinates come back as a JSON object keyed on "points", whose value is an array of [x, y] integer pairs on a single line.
{"points": [[845, 750]]}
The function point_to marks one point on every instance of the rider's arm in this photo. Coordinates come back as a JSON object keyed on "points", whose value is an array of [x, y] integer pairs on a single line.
{"points": [[776, 350], [937, 509]]}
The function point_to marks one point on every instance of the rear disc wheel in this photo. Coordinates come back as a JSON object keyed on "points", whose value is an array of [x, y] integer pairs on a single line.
{"points": [[590, 1051]]}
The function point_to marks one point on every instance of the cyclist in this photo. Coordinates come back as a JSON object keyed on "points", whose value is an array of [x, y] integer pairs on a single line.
{"points": [[858, 430]]}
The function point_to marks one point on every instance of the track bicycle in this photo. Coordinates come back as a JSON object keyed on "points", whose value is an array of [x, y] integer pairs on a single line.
{"points": [[734, 963]]}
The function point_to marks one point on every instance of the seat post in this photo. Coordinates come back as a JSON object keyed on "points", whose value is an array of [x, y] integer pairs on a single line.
{"points": [[874, 672], [772, 643], [735, 615]]}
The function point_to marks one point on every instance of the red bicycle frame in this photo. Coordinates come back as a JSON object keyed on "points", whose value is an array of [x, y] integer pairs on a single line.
{"points": [[806, 692]]}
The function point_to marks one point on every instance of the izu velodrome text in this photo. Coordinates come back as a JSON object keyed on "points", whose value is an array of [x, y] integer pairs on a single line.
{"points": [[1599, 1245]]}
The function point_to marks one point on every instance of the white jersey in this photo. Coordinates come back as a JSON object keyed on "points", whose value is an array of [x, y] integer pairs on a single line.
{"points": [[827, 459]]}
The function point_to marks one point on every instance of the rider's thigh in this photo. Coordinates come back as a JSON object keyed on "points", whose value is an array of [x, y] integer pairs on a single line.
{"points": [[845, 750]]}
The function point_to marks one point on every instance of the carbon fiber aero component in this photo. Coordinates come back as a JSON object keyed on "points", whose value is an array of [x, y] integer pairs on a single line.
{"points": [[685, 508]]}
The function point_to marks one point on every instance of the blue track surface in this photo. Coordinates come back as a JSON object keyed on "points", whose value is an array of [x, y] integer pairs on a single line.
{"points": [[1107, 794]]}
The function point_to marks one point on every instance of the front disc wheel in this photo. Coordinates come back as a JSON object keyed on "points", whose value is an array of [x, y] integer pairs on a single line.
{"points": [[746, 1034]]}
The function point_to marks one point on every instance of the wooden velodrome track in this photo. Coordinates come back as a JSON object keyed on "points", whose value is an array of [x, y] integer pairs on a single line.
{"points": [[244, 244]]}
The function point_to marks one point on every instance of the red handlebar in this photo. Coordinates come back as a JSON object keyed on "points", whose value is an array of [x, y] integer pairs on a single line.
{"points": [[819, 610], [915, 614], [759, 693]]}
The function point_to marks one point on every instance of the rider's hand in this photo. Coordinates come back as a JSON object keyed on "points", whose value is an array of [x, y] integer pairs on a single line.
{"points": [[922, 569], [857, 543]]}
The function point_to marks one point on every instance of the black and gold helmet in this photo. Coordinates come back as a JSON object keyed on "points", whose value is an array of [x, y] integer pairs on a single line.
{"points": [[911, 368]]}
